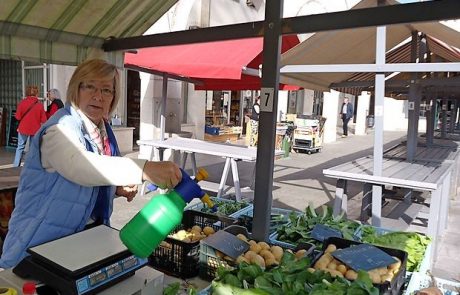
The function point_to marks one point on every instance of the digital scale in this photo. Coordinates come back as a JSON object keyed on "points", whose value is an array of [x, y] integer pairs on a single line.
{"points": [[83, 263]]}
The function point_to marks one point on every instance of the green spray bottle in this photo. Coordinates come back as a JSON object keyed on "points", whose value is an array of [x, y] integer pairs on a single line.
{"points": [[150, 226]]}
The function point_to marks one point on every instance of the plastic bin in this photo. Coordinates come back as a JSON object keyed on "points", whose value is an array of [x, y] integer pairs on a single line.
{"points": [[244, 206], [178, 258], [388, 288], [209, 261]]}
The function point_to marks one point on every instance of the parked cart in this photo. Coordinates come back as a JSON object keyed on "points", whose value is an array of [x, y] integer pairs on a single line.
{"points": [[308, 135]]}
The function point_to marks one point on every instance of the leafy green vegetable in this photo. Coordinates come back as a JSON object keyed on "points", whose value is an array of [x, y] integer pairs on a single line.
{"points": [[172, 289], [300, 226], [226, 207], [291, 277]]}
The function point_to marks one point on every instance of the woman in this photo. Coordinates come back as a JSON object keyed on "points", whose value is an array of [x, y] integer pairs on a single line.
{"points": [[31, 116], [54, 96], [73, 170]]}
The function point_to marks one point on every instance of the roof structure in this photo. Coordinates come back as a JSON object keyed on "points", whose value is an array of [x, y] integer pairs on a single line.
{"points": [[357, 46], [67, 31]]}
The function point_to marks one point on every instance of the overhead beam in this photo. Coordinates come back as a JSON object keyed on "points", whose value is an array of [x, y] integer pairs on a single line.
{"points": [[350, 19], [373, 68], [425, 82], [33, 32]]}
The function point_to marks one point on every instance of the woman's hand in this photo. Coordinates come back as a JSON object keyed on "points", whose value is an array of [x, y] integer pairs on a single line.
{"points": [[127, 191], [165, 175]]}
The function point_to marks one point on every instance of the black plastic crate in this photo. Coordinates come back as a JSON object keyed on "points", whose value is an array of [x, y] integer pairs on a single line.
{"points": [[388, 288], [178, 258], [209, 261]]}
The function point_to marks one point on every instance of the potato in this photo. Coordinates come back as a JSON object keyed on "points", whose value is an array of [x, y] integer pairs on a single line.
{"points": [[277, 251], [396, 265], [242, 237], [334, 273], [382, 271], [330, 248], [332, 266], [263, 245], [257, 259], [252, 242], [266, 254], [351, 275], [386, 277], [300, 254], [249, 255], [197, 228], [342, 268], [255, 248], [207, 230], [323, 261], [241, 259], [186, 240], [271, 261], [220, 254], [375, 278]]}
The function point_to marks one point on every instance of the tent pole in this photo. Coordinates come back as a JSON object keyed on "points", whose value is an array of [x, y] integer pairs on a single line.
{"points": [[267, 120], [164, 94]]}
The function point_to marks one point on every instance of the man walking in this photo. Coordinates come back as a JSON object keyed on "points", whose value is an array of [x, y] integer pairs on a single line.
{"points": [[347, 114]]}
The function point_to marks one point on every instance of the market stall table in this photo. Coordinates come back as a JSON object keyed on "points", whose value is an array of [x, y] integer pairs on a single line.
{"points": [[231, 153], [430, 176]]}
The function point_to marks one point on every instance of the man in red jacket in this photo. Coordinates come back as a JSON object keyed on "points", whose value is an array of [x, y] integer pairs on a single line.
{"points": [[31, 116]]}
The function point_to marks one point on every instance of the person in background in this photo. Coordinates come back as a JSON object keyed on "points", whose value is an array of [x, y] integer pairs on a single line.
{"points": [[346, 114], [74, 169], [31, 116], [254, 123], [54, 96]]}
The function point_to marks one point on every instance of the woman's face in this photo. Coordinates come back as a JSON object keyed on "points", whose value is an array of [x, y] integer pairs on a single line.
{"points": [[95, 97]]}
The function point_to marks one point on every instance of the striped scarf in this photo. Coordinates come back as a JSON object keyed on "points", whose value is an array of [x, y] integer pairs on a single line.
{"points": [[98, 135]]}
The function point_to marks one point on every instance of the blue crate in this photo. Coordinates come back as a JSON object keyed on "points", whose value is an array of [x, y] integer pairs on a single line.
{"points": [[198, 206], [211, 130]]}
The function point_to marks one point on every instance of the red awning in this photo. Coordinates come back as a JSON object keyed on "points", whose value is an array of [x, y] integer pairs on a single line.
{"points": [[216, 65]]}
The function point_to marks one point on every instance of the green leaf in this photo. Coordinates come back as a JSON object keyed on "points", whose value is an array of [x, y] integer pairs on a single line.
{"points": [[232, 280], [172, 289]]}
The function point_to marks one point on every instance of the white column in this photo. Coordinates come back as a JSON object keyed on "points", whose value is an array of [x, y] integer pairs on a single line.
{"points": [[331, 113], [362, 112], [308, 101], [148, 111]]}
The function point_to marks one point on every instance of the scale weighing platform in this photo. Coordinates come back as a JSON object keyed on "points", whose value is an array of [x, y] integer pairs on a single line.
{"points": [[83, 263]]}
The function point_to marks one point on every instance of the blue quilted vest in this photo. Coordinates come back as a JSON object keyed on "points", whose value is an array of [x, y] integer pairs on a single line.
{"points": [[47, 205]]}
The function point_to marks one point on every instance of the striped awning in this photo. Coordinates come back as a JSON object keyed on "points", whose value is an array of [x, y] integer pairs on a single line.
{"points": [[69, 31]]}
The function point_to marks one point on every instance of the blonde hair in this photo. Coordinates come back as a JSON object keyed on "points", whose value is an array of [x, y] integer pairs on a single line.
{"points": [[93, 69], [32, 90]]}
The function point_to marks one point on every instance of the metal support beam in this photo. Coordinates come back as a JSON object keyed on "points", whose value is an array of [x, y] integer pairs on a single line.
{"points": [[267, 120], [372, 68], [430, 115], [164, 95], [454, 81], [413, 105], [378, 127], [356, 18], [444, 107]]}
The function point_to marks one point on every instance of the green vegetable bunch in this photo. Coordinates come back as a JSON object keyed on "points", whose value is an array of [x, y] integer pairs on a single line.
{"points": [[300, 226], [413, 243], [225, 207], [290, 277]]}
